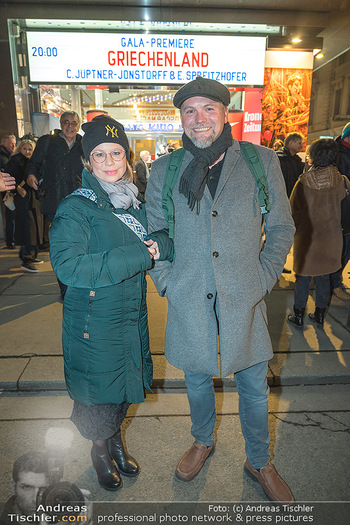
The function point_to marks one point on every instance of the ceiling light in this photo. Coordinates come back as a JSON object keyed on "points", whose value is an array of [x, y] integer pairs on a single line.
{"points": [[296, 40], [319, 55]]}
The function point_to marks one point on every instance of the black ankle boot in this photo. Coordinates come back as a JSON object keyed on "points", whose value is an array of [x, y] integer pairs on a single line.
{"points": [[107, 474], [298, 317], [318, 315], [125, 463]]}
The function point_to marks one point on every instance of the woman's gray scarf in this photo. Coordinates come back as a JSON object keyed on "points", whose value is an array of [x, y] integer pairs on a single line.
{"points": [[121, 193], [194, 178]]}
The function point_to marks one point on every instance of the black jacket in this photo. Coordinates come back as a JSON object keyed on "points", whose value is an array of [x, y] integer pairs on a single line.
{"points": [[29, 221], [59, 168], [141, 176], [344, 158], [4, 157], [292, 166]]}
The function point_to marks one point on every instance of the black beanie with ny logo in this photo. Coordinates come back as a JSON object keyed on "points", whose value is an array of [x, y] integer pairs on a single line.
{"points": [[101, 129]]}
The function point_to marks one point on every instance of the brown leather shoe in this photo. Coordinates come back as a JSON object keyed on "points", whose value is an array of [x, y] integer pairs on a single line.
{"points": [[192, 461], [271, 482]]}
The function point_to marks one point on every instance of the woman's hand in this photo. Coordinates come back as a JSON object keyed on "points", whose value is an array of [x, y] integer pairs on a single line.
{"points": [[152, 247], [32, 181]]}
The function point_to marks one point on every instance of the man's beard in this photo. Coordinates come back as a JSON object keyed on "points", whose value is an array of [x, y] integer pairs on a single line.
{"points": [[200, 143]]}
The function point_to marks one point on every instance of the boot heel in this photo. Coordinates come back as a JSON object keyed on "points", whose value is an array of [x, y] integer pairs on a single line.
{"points": [[318, 315], [107, 475], [126, 464], [298, 317]]}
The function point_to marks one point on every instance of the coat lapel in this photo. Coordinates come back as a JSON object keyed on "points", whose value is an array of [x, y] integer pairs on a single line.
{"points": [[231, 159]]}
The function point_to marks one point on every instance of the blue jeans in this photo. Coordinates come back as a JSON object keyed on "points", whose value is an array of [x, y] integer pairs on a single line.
{"points": [[253, 394]]}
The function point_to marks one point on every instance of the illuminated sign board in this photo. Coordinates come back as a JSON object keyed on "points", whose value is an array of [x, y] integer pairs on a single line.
{"points": [[115, 58], [165, 126]]}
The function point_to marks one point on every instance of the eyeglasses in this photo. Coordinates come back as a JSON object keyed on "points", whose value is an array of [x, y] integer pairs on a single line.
{"points": [[70, 123], [100, 156]]}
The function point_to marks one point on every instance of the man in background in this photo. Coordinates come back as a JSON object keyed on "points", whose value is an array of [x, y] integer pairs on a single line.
{"points": [[7, 147], [142, 171], [291, 164], [56, 163], [343, 143]]}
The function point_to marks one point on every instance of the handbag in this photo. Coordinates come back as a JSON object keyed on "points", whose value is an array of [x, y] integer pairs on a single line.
{"points": [[9, 201], [345, 212]]}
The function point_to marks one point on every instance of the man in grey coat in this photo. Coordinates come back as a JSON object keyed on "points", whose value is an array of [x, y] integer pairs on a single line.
{"points": [[220, 275]]}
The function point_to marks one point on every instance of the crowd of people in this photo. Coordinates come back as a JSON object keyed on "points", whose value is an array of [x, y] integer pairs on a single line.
{"points": [[106, 232], [316, 189]]}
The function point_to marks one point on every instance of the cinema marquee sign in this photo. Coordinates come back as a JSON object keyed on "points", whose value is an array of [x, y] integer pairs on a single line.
{"points": [[113, 58]]}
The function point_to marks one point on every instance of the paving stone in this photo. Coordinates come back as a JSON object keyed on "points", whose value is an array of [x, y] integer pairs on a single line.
{"points": [[287, 337], [30, 324], [158, 442], [311, 368], [11, 371], [43, 282], [43, 373], [282, 399]]}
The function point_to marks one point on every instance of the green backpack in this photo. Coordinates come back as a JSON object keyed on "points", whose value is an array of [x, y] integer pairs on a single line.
{"points": [[252, 158]]}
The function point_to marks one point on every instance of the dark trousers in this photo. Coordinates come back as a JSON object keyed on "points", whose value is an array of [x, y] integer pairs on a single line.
{"points": [[10, 216], [47, 224], [28, 253], [336, 278], [322, 287]]}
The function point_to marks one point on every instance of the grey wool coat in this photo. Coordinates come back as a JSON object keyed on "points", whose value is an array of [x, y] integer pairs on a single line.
{"points": [[220, 272]]}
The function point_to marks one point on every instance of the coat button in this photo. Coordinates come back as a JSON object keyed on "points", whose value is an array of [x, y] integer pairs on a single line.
{"points": [[210, 295], [214, 213], [215, 254]]}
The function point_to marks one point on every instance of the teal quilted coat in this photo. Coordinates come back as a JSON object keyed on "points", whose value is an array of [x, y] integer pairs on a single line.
{"points": [[105, 330]]}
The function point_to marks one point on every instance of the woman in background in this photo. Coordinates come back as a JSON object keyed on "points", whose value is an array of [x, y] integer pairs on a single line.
{"points": [[318, 240], [29, 221]]}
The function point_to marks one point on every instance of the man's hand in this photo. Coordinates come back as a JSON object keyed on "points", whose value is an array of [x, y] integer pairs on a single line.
{"points": [[7, 182], [32, 181]]}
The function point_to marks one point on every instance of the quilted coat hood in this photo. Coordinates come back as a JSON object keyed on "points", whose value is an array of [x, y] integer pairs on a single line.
{"points": [[321, 179]]}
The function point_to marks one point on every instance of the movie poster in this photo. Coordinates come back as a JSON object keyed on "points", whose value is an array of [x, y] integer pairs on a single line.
{"points": [[286, 103]]}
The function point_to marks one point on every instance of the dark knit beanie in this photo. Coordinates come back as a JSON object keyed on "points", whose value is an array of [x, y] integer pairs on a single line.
{"points": [[202, 87], [346, 131], [103, 128]]}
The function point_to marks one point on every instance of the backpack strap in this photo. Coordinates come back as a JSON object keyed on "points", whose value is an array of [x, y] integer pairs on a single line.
{"points": [[252, 158], [170, 178]]}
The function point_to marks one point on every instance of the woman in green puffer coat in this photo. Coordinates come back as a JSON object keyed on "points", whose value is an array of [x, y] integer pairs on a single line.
{"points": [[99, 249]]}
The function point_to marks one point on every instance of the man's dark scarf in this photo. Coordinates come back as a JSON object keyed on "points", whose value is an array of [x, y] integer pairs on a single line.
{"points": [[194, 178]]}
